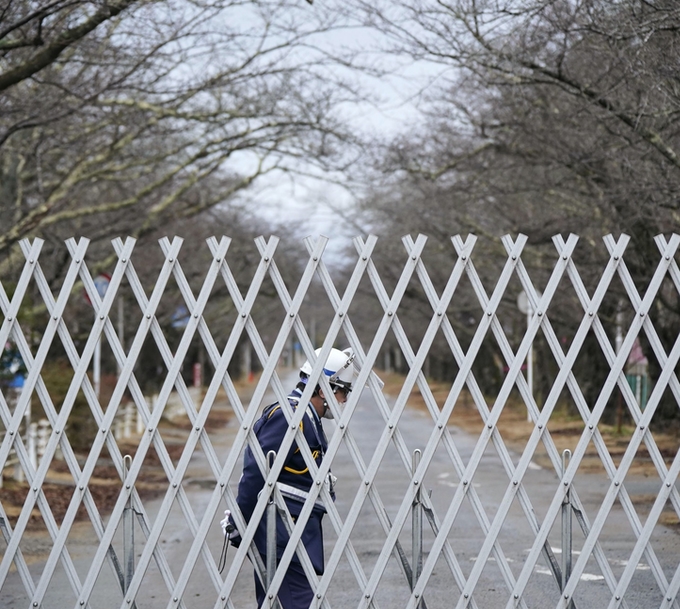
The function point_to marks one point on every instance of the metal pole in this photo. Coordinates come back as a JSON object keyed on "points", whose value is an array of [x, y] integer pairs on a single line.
{"points": [[33, 445], [416, 526], [121, 325], [566, 529], [97, 367], [530, 362], [128, 533], [271, 533]]}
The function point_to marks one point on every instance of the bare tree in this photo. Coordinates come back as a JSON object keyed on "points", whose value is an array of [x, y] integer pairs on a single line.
{"points": [[33, 36], [582, 92], [544, 117], [129, 114]]}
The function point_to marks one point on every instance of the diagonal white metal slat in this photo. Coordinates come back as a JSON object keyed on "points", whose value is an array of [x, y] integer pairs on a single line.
{"points": [[175, 475], [546, 323], [661, 356], [148, 322], [319, 473], [36, 479], [465, 487], [267, 374], [339, 320], [197, 420], [668, 476], [369, 473], [337, 305], [617, 482], [10, 311], [540, 432], [66, 449], [221, 363], [565, 366], [491, 537], [593, 419], [632, 404], [483, 411], [366, 364], [50, 411], [68, 455], [565, 373], [415, 364], [175, 489], [631, 449], [429, 452], [391, 436], [294, 430], [127, 379], [220, 378]]}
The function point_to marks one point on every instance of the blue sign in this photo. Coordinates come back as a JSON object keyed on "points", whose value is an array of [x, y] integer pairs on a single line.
{"points": [[180, 318]]}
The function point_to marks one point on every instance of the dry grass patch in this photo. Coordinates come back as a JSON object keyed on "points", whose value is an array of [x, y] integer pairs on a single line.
{"points": [[565, 430]]}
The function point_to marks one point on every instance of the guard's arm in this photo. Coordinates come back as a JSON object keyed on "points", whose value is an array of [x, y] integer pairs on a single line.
{"points": [[269, 435]]}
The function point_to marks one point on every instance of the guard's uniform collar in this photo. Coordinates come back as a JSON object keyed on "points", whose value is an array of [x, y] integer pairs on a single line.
{"points": [[295, 395]]}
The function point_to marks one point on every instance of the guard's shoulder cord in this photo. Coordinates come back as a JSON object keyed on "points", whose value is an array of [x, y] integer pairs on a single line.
{"points": [[269, 410]]}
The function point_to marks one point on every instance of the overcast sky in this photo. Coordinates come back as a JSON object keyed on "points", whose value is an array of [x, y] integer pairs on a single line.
{"points": [[308, 203]]}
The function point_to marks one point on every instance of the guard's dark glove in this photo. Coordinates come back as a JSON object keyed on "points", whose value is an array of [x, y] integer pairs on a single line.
{"points": [[229, 528]]}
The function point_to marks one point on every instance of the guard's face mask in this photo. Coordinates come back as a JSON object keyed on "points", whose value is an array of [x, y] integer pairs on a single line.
{"points": [[341, 394]]}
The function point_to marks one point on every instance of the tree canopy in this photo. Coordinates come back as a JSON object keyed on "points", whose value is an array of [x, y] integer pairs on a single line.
{"points": [[539, 118], [118, 117]]}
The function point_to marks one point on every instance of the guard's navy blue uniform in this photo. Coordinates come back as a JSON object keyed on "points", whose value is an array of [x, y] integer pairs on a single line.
{"points": [[294, 482]]}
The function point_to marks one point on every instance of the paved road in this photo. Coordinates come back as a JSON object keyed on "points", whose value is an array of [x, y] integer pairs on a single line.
{"points": [[466, 538]]}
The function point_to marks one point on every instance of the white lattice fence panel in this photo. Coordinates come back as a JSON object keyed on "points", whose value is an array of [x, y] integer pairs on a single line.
{"points": [[426, 515]]}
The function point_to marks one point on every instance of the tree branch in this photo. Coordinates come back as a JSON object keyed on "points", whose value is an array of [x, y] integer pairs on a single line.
{"points": [[51, 52]]}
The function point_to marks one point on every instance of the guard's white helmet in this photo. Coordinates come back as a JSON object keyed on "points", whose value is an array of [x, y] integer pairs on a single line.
{"points": [[339, 368]]}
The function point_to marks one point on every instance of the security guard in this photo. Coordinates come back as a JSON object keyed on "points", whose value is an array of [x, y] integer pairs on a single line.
{"points": [[295, 480]]}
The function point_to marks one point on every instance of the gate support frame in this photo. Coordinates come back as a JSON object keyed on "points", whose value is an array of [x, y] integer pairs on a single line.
{"points": [[417, 529], [271, 533], [566, 530]]}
